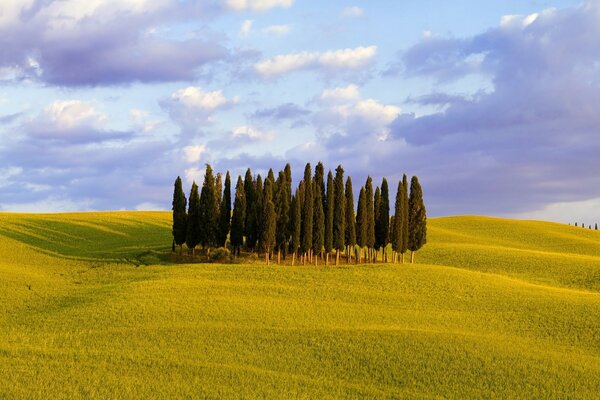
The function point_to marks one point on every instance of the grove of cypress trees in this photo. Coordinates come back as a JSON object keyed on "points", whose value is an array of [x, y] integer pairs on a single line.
{"points": [[384, 219], [179, 214], [404, 234], [376, 210], [238, 217], [329, 205], [208, 210], [282, 207], [370, 217], [417, 218], [307, 213], [339, 214], [350, 219], [361, 222], [192, 238], [225, 212], [268, 221], [318, 222]]}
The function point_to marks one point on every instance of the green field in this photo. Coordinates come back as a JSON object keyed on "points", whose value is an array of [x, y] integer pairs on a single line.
{"points": [[493, 309]]}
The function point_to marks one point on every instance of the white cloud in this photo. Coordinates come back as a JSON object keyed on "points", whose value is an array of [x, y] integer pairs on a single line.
{"points": [[194, 153], [195, 97], [349, 92], [570, 211], [194, 175], [277, 29], [50, 204], [257, 5], [343, 59], [72, 114], [246, 27], [353, 11], [149, 206], [7, 173], [250, 133]]}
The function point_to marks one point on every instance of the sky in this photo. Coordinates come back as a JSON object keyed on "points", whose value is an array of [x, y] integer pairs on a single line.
{"points": [[494, 105]]}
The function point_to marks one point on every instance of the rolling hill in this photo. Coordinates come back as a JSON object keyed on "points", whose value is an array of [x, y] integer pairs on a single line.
{"points": [[494, 308]]}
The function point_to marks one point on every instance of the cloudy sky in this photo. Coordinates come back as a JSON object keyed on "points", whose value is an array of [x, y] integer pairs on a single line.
{"points": [[495, 105]]}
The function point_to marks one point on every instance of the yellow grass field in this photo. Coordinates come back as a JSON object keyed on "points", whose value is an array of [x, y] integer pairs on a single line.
{"points": [[494, 308]]}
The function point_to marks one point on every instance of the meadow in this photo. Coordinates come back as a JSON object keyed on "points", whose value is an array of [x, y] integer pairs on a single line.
{"points": [[493, 308]]}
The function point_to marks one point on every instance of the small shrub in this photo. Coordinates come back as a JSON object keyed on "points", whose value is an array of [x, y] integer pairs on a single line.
{"points": [[220, 254]]}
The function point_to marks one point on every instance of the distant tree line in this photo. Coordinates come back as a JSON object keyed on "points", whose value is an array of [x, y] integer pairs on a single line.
{"points": [[315, 221]]}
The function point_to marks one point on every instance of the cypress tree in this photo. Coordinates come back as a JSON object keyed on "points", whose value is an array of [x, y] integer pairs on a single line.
{"points": [[320, 183], [283, 215], [269, 221], [370, 216], [192, 238], [257, 211], [225, 211], [218, 190], [339, 214], [350, 218], [319, 221], [361, 221], [288, 179], [248, 214], [376, 210], [307, 212], [179, 214], [329, 204], [417, 218], [384, 218], [396, 237], [297, 202], [208, 210], [404, 222], [237, 220]]}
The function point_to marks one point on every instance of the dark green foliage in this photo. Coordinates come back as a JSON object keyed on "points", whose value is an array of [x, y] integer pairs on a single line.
{"points": [[297, 202], [339, 210], [282, 208], [329, 204], [192, 238], [417, 218], [288, 181], [350, 219], [320, 183], [307, 211], [225, 211], [361, 219], [271, 178], [370, 214], [396, 236], [218, 190], [268, 219], [319, 220], [404, 222], [376, 210], [253, 238], [383, 216], [249, 214], [208, 210], [239, 216], [179, 213]]}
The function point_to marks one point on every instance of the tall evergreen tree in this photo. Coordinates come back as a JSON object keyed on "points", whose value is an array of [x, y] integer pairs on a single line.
{"points": [[370, 216], [307, 212], [320, 183], [350, 218], [192, 238], [329, 204], [396, 236], [339, 214], [376, 209], [417, 218], [249, 225], [257, 210], [384, 218], [208, 210], [179, 214], [297, 202], [282, 209], [404, 225], [268, 221], [225, 211], [318, 222], [271, 177], [238, 217], [218, 190], [288, 179], [361, 220]]}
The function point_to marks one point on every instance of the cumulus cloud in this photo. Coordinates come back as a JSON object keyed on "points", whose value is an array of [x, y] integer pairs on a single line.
{"points": [[277, 29], [251, 134], [334, 60], [194, 153], [349, 92], [75, 42], [257, 5]]}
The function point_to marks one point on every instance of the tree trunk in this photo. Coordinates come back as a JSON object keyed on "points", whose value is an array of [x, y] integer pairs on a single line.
{"points": [[303, 258], [337, 257], [278, 256], [412, 257], [402, 258], [267, 257], [316, 262], [293, 258]]}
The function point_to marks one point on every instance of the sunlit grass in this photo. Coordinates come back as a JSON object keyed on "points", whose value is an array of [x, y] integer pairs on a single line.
{"points": [[509, 310]]}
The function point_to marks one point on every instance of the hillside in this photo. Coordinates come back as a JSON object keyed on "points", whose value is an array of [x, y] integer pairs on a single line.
{"points": [[495, 308]]}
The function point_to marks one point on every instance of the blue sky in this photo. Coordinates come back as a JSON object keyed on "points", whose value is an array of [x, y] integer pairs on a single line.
{"points": [[492, 104]]}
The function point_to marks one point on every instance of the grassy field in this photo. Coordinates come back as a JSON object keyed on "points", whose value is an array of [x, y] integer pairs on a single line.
{"points": [[494, 309]]}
